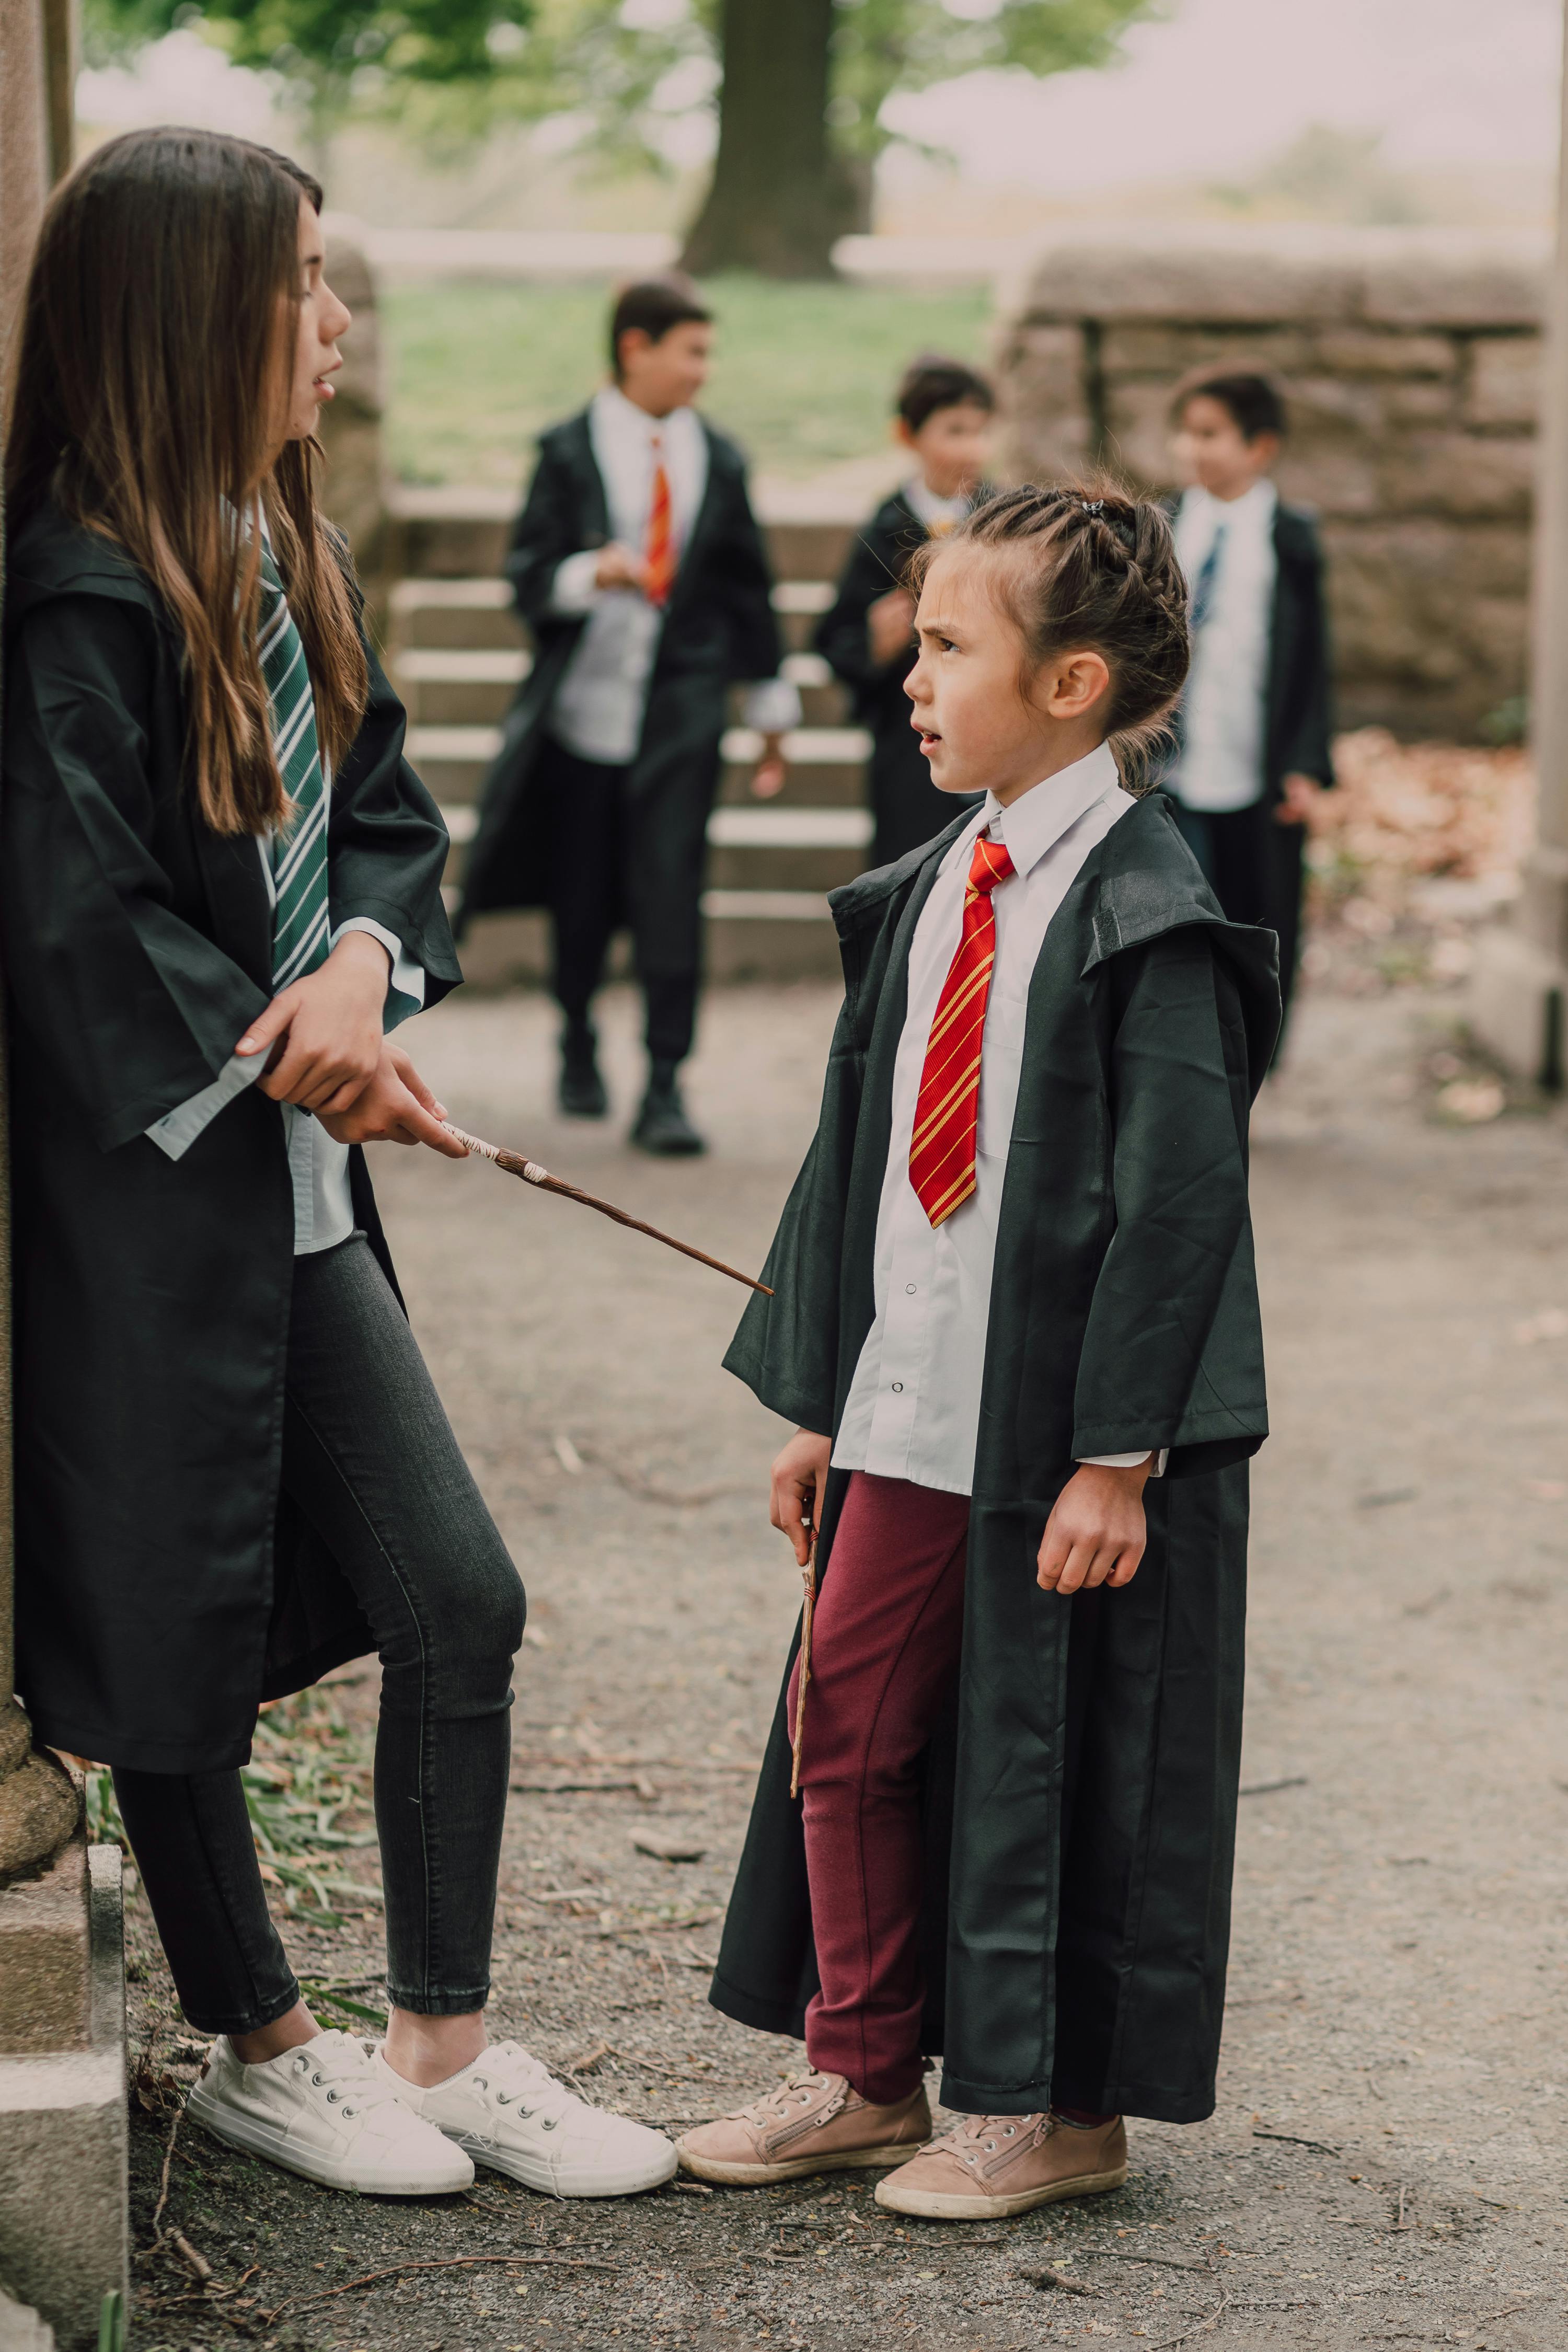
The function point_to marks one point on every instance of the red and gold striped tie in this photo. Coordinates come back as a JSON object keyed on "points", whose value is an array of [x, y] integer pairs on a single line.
{"points": [[660, 550], [941, 1149]]}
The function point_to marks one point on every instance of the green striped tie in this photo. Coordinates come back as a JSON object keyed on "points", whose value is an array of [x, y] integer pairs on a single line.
{"points": [[299, 920]]}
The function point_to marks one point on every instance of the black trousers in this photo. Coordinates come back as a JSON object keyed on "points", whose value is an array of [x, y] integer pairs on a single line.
{"points": [[1256, 868], [602, 880], [370, 1459]]}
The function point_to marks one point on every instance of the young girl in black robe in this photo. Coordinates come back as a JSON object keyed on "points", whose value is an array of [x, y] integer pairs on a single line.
{"points": [[221, 889], [1014, 1317]]}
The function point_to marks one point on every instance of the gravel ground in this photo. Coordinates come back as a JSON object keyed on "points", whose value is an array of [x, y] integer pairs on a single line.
{"points": [[1385, 2165]]}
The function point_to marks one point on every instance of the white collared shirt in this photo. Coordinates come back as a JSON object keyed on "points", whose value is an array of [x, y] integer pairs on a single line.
{"points": [[913, 1409], [937, 514], [1220, 764], [598, 709]]}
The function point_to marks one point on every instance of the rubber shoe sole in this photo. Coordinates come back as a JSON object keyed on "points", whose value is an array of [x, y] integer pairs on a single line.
{"points": [[931, 2205], [795, 2167], [537, 2173], [258, 2138]]}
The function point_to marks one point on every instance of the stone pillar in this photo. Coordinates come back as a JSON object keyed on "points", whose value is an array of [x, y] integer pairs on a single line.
{"points": [[63, 2219], [1521, 982]]}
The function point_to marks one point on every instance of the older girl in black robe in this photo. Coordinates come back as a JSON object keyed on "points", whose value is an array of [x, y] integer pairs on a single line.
{"points": [[221, 888], [1012, 1284]]}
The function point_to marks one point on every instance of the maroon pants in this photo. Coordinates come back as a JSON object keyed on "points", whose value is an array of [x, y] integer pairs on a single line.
{"points": [[885, 1652]]}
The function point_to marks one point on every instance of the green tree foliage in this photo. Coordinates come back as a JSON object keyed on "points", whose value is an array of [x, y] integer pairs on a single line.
{"points": [[620, 66]]}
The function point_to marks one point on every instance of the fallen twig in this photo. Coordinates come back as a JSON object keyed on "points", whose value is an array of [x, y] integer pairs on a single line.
{"points": [[641, 1786], [199, 2264], [1049, 2277], [1293, 2139], [1162, 2262], [1212, 2319], [163, 2178], [447, 2263], [1269, 1787], [692, 2188]]}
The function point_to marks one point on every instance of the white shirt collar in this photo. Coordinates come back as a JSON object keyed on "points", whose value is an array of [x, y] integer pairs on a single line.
{"points": [[930, 508], [623, 415], [1038, 819], [1254, 510]]}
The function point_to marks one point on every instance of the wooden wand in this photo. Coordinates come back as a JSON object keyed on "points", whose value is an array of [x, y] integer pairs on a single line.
{"points": [[532, 1173], [803, 1668]]}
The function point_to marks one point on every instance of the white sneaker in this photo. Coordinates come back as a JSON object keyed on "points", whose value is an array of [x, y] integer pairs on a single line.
{"points": [[325, 2110], [509, 2112]]}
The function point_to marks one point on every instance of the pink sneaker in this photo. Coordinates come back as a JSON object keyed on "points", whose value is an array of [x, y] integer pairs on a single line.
{"points": [[815, 2124], [985, 2166]]}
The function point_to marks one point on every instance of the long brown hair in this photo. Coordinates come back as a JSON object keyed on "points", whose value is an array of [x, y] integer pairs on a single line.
{"points": [[1086, 564], [157, 337]]}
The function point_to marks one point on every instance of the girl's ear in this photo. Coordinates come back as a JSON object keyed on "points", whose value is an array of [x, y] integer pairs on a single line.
{"points": [[1075, 683]]}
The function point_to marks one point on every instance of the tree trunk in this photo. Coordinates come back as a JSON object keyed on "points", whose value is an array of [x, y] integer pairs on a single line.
{"points": [[771, 204]]}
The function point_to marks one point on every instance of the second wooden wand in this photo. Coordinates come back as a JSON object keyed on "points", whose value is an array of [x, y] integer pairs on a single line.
{"points": [[532, 1173]]}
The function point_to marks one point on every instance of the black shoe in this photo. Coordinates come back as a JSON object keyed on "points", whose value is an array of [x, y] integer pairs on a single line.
{"points": [[662, 1125], [581, 1093]]}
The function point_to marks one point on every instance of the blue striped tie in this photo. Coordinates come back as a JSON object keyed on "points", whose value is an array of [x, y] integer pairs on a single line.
{"points": [[300, 918]]}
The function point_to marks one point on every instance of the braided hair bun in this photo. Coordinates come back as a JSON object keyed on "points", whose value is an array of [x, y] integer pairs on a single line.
{"points": [[1084, 564]]}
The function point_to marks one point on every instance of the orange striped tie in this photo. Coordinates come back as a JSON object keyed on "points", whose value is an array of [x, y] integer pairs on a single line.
{"points": [[941, 1149], [660, 553]]}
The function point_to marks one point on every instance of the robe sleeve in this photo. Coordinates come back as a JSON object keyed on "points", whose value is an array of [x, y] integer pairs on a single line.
{"points": [[1173, 1351], [842, 638], [545, 537], [386, 848], [133, 1009], [786, 1347]]}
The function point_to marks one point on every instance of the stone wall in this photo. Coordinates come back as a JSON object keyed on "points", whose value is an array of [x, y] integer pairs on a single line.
{"points": [[1410, 360]]}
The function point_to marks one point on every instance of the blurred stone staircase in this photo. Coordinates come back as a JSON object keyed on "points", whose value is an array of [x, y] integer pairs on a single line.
{"points": [[456, 655]]}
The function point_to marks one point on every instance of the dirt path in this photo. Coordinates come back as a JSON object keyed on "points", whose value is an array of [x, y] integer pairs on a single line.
{"points": [[1385, 2165]]}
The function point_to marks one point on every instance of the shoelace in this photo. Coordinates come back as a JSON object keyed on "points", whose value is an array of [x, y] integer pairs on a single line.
{"points": [[343, 2060], [777, 2105], [535, 2090], [983, 2135]]}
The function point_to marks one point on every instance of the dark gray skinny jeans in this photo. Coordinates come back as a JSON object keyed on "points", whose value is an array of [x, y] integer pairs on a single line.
{"points": [[370, 1460]]}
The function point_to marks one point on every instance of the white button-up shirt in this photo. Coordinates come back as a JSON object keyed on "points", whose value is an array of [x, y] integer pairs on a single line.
{"points": [[598, 709], [1220, 764], [913, 1409]]}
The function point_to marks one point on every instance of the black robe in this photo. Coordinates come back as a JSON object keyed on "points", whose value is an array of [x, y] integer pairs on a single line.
{"points": [[156, 1601], [1080, 1804], [905, 806], [719, 629]]}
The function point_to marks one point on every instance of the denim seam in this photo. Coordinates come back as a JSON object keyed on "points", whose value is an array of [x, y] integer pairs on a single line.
{"points": [[408, 1601]]}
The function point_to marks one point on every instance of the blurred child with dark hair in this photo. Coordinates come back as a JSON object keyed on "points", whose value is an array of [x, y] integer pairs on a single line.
{"points": [[1252, 750], [943, 417], [638, 569]]}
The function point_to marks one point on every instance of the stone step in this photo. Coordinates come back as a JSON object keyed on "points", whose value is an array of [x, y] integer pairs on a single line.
{"points": [[766, 935], [454, 612], [765, 848], [826, 763], [464, 613], [449, 685], [445, 533]]}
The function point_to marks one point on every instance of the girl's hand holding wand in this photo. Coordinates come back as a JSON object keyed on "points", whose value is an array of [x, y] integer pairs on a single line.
{"points": [[1097, 1533], [327, 1054]]}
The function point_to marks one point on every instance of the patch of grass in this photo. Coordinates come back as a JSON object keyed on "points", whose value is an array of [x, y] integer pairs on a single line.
{"points": [[311, 1766], [803, 377]]}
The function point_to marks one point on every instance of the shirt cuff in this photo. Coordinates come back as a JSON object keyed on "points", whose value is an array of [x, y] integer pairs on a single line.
{"points": [[574, 586], [1131, 1460], [177, 1130], [773, 706], [405, 988]]}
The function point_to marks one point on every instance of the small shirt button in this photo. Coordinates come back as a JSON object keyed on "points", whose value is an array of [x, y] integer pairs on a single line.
{"points": [[910, 1288], [897, 1388]]}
